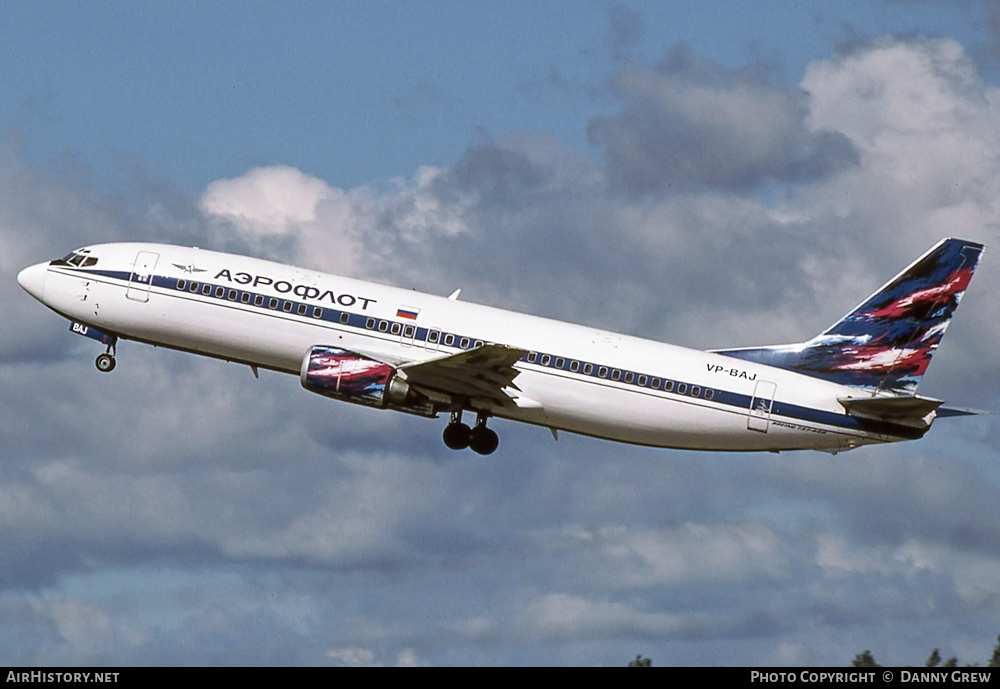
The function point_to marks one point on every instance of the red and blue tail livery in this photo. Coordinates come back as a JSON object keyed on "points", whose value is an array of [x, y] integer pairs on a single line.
{"points": [[886, 343]]}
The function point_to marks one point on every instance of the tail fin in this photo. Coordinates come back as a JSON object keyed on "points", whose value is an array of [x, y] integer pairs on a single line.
{"points": [[886, 343]]}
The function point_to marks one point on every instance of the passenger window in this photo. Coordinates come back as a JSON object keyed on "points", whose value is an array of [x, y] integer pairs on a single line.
{"points": [[302, 309], [642, 381], [449, 340], [433, 336], [616, 374], [588, 369], [682, 388], [408, 331], [602, 372], [258, 300], [629, 377], [193, 287], [709, 394], [396, 328], [245, 298], [287, 307], [344, 317], [220, 292], [655, 384], [317, 312], [181, 284], [232, 295], [695, 391], [532, 356], [559, 363], [546, 359], [273, 303], [370, 323], [668, 386], [383, 326], [574, 366]]}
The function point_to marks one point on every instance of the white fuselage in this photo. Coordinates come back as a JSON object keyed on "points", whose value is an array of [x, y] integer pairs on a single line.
{"points": [[575, 378]]}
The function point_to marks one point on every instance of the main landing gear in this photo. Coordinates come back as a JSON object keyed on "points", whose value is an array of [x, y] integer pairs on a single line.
{"points": [[458, 436], [106, 362]]}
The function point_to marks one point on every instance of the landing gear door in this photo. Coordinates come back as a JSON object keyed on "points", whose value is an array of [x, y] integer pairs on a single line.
{"points": [[761, 403], [142, 276]]}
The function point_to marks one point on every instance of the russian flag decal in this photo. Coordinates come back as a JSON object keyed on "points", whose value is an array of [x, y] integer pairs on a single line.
{"points": [[407, 312]]}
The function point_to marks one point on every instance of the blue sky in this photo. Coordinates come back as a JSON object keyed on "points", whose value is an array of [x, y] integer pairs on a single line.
{"points": [[361, 92], [712, 174]]}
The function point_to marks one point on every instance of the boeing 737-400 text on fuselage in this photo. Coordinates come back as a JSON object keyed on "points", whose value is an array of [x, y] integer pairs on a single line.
{"points": [[389, 348]]}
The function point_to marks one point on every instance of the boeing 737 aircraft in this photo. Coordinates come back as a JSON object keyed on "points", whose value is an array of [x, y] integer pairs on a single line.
{"points": [[853, 384]]}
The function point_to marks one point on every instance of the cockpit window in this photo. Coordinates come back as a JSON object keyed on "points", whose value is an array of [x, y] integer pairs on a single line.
{"points": [[79, 259]]}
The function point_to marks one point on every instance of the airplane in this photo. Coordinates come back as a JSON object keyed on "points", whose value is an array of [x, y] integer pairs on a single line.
{"points": [[389, 348]]}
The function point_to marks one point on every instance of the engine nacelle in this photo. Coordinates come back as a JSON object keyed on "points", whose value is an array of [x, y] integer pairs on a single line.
{"points": [[352, 377]]}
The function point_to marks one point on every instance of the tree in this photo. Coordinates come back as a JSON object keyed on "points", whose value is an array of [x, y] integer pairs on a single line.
{"points": [[864, 660], [640, 661], [995, 658]]}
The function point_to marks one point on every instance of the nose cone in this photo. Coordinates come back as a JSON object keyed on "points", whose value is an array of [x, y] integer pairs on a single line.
{"points": [[32, 280]]}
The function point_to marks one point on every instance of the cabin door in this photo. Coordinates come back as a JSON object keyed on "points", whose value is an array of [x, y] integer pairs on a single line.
{"points": [[142, 276], [761, 403]]}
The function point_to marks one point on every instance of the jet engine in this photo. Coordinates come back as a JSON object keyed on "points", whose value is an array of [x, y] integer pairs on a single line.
{"points": [[351, 377]]}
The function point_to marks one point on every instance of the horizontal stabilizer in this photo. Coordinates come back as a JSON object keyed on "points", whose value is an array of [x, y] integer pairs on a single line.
{"points": [[909, 411], [945, 412]]}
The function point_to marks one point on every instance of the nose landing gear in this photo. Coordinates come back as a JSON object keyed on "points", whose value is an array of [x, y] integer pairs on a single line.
{"points": [[481, 440], [106, 362]]}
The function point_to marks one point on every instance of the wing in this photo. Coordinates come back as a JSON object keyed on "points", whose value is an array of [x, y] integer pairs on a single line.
{"points": [[481, 373]]}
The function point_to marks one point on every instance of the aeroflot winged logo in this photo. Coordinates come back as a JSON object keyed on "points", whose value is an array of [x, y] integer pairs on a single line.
{"points": [[304, 291], [189, 268]]}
